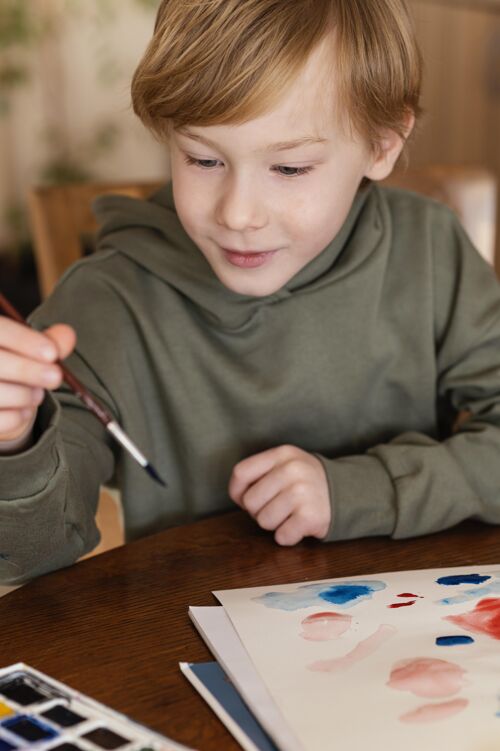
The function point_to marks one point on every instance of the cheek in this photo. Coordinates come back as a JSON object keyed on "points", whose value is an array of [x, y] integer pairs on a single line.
{"points": [[316, 221], [190, 203]]}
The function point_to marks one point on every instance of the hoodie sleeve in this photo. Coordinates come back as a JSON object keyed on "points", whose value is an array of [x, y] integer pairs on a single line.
{"points": [[416, 484], [49, 492]]}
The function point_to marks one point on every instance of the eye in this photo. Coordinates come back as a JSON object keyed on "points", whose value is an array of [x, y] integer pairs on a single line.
{"points": [[203, 163], [291, 171]]}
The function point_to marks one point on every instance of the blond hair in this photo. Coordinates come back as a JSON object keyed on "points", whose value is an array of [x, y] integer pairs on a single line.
{"points": [[213, 62]]}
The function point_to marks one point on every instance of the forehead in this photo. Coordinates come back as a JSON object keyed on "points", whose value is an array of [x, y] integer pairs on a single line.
{"points": [[310, 99], [305, 109]]}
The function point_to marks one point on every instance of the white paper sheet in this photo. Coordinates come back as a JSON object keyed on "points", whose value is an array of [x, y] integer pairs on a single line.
{"points": [[217, 631], [381, 680]]}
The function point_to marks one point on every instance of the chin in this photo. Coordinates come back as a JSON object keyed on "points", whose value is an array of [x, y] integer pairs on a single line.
{"points": [[250, 288]]}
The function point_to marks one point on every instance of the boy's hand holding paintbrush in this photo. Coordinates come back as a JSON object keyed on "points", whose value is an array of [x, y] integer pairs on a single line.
{"points": [[27, 368], [36, 365]]}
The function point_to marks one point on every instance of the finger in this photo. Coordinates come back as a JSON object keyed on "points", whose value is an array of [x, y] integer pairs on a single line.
{"points": [[269, 486], [13, 422], [64, 337], [291, 531], [13, 396], [19, 338], [274, 513], [21, 370], [248, 471]]}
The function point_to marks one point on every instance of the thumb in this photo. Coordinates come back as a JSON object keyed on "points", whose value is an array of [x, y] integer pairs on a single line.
{"points": [[64, 337]]}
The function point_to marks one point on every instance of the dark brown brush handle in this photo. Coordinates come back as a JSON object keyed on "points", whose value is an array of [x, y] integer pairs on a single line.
{"points": [[82, 393]]}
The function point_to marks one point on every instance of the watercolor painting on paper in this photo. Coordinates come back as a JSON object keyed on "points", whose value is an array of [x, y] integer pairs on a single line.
{"points": [[411, 658]]}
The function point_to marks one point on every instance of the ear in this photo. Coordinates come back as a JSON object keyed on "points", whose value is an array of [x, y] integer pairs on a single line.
{"points": [[389, 148]]}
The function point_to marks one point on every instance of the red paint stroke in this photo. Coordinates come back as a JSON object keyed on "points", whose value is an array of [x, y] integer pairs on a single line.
{"points": [[363, 649], [325, 626], [427, 677], [410, 594], [435, 712], [402, 604], [484, 619]]}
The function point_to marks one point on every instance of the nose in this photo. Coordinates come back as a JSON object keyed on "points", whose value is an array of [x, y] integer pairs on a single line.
{"points": [[240, 205]]}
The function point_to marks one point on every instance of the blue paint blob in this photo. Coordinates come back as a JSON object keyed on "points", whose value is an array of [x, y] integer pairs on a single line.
{"points": [[471, 594], [452, 641], [449, 581], [340, 594]]}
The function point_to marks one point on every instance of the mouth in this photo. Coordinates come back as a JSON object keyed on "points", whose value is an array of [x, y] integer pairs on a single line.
{"points": [[248, 259]]}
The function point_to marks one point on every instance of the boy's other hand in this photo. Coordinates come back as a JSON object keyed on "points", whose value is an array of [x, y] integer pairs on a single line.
{"points": [[27, 368], [285, 489]]}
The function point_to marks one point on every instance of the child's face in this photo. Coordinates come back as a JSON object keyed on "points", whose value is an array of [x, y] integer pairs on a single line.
{"points": [[259, 208]]}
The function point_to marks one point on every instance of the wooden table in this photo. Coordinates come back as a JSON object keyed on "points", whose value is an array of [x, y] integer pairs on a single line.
{"points": [[116, 626]]}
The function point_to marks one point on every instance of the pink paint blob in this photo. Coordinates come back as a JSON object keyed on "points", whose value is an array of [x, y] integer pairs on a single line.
{"points": [[435, 712], [402, 604], [484, 619], [427, 677], [364, 649], [325, 626]]}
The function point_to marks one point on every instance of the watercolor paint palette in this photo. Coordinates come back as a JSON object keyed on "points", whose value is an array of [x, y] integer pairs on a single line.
{"points": [[37, 712]]}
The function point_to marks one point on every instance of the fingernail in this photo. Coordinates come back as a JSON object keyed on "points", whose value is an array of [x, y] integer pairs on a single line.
{"points": [[50, 377], [38, 396], [47, 352]]}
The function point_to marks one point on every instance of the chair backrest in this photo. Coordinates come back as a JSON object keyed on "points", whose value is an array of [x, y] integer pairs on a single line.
{"points": [[61, 216], [470, 191]]}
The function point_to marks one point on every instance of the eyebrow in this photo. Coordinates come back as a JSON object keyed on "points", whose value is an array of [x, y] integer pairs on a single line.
{"points": [[280, 146]]}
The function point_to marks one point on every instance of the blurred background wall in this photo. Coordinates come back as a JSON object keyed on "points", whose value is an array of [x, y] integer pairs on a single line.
{"points": [[65, 69], [460, 42]]}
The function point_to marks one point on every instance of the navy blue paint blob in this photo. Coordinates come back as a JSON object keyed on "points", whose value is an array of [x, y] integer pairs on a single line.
{"points": [[342, 593], [462, 579], [452, 641]]}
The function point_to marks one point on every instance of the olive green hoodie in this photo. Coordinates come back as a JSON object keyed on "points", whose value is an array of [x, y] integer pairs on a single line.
{"points": [[365, 358]]}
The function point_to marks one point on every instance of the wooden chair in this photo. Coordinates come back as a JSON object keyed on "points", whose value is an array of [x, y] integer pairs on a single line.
{"points": [[61, 219]]}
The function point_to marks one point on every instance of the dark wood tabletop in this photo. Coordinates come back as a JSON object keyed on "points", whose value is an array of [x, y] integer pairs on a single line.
{"points": [[116, 626]]}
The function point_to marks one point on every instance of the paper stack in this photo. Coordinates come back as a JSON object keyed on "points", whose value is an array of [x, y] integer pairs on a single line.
{"points": [[406, 659]]}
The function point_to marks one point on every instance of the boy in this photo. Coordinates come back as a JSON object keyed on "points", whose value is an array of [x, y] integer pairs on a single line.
{"points": [[272, 327]]}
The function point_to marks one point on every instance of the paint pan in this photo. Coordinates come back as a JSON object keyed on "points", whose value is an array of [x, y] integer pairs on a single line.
{"points": [[37, 712]]}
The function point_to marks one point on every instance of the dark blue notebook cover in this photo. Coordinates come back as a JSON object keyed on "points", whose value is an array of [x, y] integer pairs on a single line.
{"points": [[218, 684]]}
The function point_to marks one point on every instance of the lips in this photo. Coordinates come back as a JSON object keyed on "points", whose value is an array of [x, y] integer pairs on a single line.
{"points": [[248, 259]]}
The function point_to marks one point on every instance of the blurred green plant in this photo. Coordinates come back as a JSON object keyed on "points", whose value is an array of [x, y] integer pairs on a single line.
{"points": [[63, 166], [16, 23], [18, 30]]}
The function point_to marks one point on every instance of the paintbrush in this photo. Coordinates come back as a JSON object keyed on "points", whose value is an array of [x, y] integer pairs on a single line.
{"points": [[90, 402]]}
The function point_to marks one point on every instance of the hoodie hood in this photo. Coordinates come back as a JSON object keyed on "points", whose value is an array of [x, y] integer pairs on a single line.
{"points": [[151, 235]]}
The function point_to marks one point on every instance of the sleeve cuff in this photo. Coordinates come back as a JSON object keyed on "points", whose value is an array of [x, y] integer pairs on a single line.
{"points": [[27, 473], [19, 444], [362, 497]]}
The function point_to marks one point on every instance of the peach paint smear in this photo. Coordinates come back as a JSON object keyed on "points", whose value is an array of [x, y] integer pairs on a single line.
{"points": [[435, 712], [364, 649], [427, 676], [433, 679], [325, 626], [484, 619]]}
